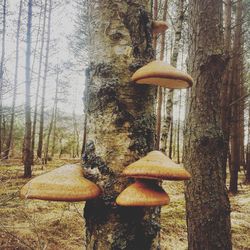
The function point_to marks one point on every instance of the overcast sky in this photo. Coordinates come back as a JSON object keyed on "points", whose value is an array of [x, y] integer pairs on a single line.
{"points": [[62, 28]]}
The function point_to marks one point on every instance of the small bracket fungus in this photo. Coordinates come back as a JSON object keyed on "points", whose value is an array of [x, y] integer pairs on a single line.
{"points": [[162, 74], [156, 165], [143, 193], [159, 27], [62, 184]]}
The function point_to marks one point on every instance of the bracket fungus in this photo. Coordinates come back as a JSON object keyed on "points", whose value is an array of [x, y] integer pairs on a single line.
{"points": [[162, 74], [159, 27], [143, 193], [156, 165], [65, 183]]}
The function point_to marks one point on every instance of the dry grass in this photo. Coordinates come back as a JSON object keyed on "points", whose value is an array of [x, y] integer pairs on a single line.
{"points": [[35, 224]]}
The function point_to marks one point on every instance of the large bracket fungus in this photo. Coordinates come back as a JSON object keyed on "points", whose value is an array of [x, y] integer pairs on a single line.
{"points": [[144, 192], [162, 74], [65, 183]]}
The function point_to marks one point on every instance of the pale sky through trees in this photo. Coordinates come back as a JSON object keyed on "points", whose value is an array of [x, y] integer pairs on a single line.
{"points": [[62, 28]]}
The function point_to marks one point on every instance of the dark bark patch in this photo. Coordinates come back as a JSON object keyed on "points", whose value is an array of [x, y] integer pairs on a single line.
{"points": [[142, 134]]}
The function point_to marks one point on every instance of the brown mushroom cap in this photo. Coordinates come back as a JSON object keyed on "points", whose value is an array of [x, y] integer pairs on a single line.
{"points": [[156, 165], [159, 26], [162, 74], [143, 193], [62, 184]]}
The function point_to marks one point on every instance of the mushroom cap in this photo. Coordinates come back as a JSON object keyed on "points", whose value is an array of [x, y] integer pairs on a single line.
{"points": [[143, 193], [156, 165], [65, 183], [162, 74], [159, 26]]}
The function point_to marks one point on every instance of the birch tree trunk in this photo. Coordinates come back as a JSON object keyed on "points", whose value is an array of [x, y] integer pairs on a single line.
{"points": [[207, 203], [121, 123], [27, 157], [174, 58], [13, 106]]}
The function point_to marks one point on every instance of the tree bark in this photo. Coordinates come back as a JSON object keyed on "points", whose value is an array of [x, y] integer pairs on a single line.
{"points": [[207, 203], [227, 83], [1, 74], [236, 84], [27, 158], [159, 89], [121, 123], [41, 124], [248, 150], [13, 106]]}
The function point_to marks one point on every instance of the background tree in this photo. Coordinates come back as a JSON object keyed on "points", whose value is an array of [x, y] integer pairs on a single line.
{"points": [[13, 109], [27, 157], [4, 6], [207, 204]]}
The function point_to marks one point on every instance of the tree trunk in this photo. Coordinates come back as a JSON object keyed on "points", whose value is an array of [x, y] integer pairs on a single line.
{"points": [[159, 89], [226, 86], [27, 138], [178, 129], [121, 123], [46, 154], [248, 150], [41, 125], [13, 107], [236, 82], [1, 74], [174, 58], [55, 115], [207, 203], [38, 79]]}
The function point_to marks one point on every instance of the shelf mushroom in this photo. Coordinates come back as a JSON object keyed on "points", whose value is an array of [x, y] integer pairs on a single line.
{"points": [[159, 27], [143, 193], [156, 165], [162, 74], [65, 183]]}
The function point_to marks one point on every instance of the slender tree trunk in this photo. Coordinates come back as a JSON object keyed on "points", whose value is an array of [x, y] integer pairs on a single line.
{"points": [[159, 89], [55, 115], [13, 107], [76, 135], [207, 203], [248, 150], [236, 81], [226, 87], [1, 75], [52, 121], [174, 58], [41, 125], [38, 81], [170, 149], [178, 129], [121, 124], [27, 138]]}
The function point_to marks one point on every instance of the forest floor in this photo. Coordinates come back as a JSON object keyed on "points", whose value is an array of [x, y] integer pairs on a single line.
{"points": [[33, 224]]}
